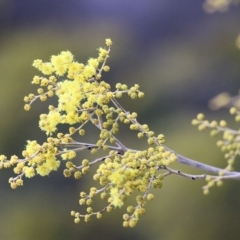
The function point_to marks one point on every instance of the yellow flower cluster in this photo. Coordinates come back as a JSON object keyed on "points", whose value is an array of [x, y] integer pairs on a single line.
{"points": [[37, 160], [83, 97], [229, 144], [79, 91]]}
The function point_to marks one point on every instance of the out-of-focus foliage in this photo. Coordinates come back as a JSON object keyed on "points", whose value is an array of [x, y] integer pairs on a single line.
{"points": [[212, 6]]}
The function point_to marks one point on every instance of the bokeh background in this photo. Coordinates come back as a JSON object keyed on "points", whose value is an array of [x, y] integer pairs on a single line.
{"points": [[180, 56]]}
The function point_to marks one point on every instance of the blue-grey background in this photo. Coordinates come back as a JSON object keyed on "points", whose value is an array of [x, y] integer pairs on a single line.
{"points": [[180, 56]]}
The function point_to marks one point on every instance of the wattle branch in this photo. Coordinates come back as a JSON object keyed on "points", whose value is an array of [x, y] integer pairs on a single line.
{"points": [[85, 98]]}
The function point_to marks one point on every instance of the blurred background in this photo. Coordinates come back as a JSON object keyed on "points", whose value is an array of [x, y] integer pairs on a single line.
{"points": [[181, 57]]}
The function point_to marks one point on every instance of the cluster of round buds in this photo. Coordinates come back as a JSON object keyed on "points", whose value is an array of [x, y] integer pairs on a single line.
{"points": [[213, 181], [120, 175], [133, 92], [229, 144]]}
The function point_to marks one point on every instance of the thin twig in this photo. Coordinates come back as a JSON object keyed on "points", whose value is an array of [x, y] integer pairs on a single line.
{"points": [[179, 173], [203, 166]]}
